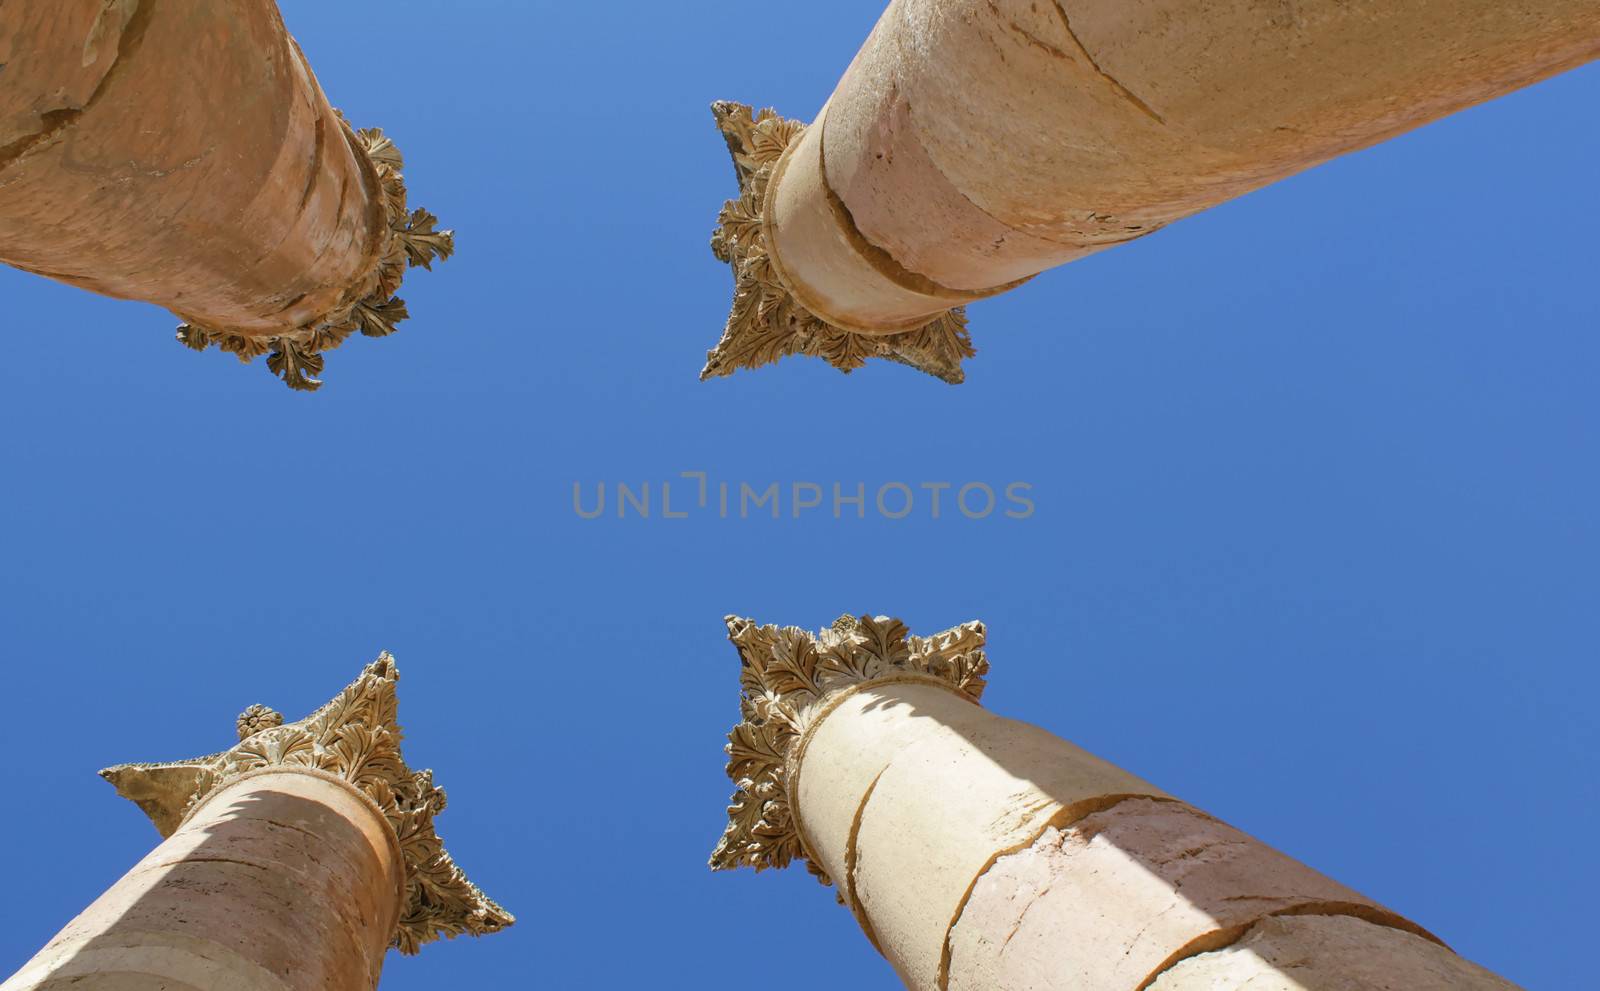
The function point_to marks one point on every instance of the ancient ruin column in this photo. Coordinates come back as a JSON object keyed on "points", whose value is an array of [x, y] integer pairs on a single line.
{"points": [[972, 144], [983, 854], [291, 862], [181, 152]]}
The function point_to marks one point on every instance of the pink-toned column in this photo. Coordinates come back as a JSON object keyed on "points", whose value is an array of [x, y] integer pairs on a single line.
{"points": [[983, 854], [181, 152], [972, 144], [291, 862]]}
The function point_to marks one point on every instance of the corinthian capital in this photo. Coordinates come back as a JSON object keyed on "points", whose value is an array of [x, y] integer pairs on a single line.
{"points": [[788, 679], [768, 320], [356, 737]]}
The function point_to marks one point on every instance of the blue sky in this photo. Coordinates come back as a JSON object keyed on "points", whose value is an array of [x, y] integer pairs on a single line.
{"points": [[1314, 544]]}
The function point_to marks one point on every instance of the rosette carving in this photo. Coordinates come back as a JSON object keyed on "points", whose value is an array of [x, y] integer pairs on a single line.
{"points": [[256, 719], [355, 737], [786, 675]]}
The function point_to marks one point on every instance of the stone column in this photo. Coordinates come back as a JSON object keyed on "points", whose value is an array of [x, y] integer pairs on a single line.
{"points": [[291, 862], [181, 152], [972, 144], [983, 854]]}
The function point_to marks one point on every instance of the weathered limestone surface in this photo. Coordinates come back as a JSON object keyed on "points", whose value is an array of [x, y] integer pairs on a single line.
{"points": [[290, 862], [136, 174], [181, 152], [1329, 953], [1113, 899], [983, 854], [974, 143], [908, 791], [283, 881]]}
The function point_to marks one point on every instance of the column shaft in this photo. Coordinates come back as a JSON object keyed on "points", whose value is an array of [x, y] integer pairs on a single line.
{"points": [[984, 854], [974, 143], [1328, 953], [182, 153], [281, 881]]}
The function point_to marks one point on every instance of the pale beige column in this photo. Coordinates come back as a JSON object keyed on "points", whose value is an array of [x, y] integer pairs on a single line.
{"points": [[291, 862], [181, 152], [983, 854], [972, 144]]}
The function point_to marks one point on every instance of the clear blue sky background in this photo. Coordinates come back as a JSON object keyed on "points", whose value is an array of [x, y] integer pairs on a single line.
{"points": [[1315, 544]]}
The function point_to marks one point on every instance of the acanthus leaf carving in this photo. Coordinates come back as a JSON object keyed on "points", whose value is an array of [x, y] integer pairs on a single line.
{"points": [[369, 305], [356, 737], [786, 677], [765, 322]]}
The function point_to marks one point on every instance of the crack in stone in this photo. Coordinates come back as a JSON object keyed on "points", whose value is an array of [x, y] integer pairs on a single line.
{"points": [[1038, 896], [851, 856], [289, 826], [1064, 821], [1027, 36], [318, 150], [58, 120], [226, 860], [1121, 90]]}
